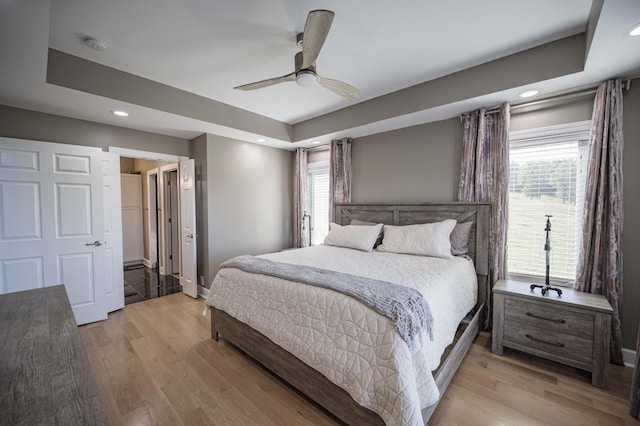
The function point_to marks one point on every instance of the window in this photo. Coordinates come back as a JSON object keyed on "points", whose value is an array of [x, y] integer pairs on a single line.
{"points": [[318, 202], [547, 169]]}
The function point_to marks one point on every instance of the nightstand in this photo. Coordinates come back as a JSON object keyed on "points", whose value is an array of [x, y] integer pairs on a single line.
{"points": [[573, 329]]}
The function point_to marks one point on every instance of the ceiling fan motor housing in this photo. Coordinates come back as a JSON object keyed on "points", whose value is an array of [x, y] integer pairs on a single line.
{"points": [[305, 77]]}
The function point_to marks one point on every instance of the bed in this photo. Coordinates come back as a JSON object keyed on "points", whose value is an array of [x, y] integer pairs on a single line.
{"points": [[410, 382]]}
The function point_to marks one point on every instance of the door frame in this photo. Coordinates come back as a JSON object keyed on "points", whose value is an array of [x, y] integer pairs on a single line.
{"points": [[157, 156], [163, 243], [147, 155]]}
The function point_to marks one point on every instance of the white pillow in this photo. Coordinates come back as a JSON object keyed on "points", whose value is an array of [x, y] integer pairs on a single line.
{"points": [[352, 236], [428, 239]]}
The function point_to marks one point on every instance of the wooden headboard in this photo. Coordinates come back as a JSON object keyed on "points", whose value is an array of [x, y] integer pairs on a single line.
{"points": [[413, 213]]}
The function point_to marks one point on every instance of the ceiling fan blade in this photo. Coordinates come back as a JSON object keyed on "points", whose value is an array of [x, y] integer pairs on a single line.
{"points": [[269, 82], [316, 30], [339, 87]]}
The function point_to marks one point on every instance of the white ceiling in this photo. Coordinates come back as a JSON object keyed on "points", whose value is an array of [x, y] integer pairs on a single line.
{"points": [[380, 46]]}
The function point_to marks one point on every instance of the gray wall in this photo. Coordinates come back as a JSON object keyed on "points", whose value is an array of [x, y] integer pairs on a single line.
{"points": [[318, 154], [199, 154], [550, 114], [414, 164], [24, 124], [631, 230], [422, 163], [249, 201]]}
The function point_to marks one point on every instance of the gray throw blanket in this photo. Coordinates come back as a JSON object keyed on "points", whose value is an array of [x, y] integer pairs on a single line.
{"points": [[404, 306]]}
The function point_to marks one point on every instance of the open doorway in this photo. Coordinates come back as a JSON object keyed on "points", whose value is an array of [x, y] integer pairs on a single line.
{"points": [[150, 228], [186, 213]]}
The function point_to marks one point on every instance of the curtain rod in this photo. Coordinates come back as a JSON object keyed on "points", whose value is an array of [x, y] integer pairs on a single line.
{"points": [[322, 147], [567, 96]]}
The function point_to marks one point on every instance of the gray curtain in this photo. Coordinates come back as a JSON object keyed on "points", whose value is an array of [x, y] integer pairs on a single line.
{"points": [[484, 176], [635, 384], [600, 261], [300, 208], [339, 174]]}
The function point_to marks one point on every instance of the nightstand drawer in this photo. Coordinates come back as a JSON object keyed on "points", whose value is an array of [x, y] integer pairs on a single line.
{"points": [[548, 317], [560, 344]]}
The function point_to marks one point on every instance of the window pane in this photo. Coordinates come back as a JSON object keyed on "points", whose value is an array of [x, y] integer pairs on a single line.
{"points": [[318, 181], [546, 177]]}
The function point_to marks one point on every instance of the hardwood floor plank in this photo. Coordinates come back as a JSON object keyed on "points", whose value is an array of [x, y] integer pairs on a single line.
{"points": [[180, 398], [198, 418], [208, 393], [155, 363], [588, 409], [461, 406], [527, 403]]}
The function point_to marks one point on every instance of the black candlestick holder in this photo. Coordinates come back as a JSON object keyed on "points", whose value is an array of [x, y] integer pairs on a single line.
{"points": [[546, 287]]}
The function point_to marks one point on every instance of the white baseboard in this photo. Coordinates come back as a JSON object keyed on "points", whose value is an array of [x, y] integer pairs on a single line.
{"points": [[629, 357], [148, 263], [203, 292]]}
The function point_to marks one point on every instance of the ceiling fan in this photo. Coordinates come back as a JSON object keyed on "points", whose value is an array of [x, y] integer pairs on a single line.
{"points": [[311, 40]]}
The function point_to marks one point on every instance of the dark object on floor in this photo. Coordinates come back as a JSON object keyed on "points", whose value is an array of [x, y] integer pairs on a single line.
{"points": [[144, 283]]}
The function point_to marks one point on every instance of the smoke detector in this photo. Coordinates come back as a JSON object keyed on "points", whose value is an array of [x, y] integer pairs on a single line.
{"points": [[94, 43]]}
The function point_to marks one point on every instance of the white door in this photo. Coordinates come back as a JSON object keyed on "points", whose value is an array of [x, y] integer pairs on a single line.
{"points": [[173, 208], [131, 212], [152, 216], [114, 274], [51, 222], [188, 270]]}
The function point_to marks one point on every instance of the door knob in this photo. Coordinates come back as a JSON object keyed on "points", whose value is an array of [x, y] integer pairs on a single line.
{"points": [[96, 243]]}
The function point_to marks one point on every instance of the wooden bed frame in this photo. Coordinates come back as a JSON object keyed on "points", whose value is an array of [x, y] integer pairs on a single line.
{"points": [[314, 384]]}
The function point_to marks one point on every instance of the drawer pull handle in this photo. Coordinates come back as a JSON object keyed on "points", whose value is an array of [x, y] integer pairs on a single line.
{"points": [[559, 321], [557, 344]]}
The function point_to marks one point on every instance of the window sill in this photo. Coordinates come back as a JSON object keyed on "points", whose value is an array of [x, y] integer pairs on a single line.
{"points": [[539, 279]]}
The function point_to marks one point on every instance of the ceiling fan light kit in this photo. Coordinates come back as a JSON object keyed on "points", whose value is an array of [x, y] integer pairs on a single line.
{"points": [[310, 41], [306, 78]]}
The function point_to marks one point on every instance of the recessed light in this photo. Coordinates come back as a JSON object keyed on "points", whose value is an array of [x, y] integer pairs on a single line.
{"points": [[529, 93], [635, 31], [261, 140], [119, 113], [316, 142]]}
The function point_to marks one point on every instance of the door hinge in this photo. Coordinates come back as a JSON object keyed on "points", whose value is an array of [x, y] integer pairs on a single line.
{"points": [[169, 220], [170, 257]]}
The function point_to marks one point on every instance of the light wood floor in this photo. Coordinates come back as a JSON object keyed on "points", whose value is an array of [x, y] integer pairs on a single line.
{"points": [[155, 364]]}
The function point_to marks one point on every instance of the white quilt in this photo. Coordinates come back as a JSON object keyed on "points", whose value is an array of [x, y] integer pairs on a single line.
{"points": [[353, 346]]}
